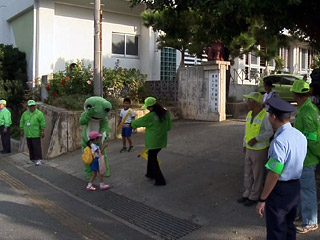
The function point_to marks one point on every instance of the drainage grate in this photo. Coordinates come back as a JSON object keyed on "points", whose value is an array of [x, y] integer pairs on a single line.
{"points": [[154, 221], [150, 219]]}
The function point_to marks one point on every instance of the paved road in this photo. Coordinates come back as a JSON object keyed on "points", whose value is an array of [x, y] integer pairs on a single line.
{"points": [[203, 165]]}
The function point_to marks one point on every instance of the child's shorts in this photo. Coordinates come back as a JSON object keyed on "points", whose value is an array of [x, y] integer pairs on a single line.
{"points": [[94, 166], [126, 131]]}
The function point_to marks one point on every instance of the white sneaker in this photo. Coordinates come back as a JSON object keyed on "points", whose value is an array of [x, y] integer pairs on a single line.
{"points": [[39, 162]]}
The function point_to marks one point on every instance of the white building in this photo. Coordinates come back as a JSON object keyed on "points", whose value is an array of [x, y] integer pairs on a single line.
{"points": [[54, 32], [247, 71]]}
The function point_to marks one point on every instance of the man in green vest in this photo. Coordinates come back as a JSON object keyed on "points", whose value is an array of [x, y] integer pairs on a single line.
{"points": [[5, 126], [308, 123], [32, 125], [256, 141]]}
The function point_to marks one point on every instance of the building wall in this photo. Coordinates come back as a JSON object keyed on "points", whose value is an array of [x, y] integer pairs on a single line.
{"points": [[63, 32], [9, 10], [22, 28]]}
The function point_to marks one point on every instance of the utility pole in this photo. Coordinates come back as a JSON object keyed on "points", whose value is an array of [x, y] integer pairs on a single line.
{"points": [[97, 87]]}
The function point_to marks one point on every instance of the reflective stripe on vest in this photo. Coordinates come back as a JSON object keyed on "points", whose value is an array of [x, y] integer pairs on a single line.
{"points": [[253, 130]]}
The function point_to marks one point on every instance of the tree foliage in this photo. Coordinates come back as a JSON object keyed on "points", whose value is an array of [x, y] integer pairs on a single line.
{"points": [[195, 24], [13, 64]]}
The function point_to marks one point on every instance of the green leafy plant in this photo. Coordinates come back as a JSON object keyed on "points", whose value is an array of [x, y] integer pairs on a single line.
{"points": [[122, 82], [70, 88], [13, 64]]}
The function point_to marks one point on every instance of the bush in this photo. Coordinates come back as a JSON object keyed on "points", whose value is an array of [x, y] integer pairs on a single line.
{"points": [[124, 82], [71, 87]]}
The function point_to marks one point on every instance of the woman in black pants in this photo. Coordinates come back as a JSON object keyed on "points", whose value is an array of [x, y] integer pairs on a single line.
{"points": [[157, 123]]}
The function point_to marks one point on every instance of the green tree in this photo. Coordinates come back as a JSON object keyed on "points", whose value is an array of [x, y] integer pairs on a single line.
{"points": [[13, 64], [229, 19]]}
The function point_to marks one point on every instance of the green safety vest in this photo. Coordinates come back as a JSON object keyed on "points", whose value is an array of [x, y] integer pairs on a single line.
{"points": [[253, 130]]}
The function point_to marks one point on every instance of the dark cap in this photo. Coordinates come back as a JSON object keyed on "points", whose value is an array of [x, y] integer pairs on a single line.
{"points": [[279, 105]]}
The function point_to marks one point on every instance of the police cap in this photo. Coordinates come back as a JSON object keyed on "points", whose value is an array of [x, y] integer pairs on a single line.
{"points": [[279, 105]]}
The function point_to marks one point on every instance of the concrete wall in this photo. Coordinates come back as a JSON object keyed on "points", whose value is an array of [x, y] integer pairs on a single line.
{"points": [[202, 91], [238, 90], [63, 131]]}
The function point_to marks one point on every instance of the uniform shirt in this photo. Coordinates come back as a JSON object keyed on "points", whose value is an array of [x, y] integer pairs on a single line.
{"points": [[32, 123], [156, 130], [307, 122], [123, 113], [5, 118], [287, 152]]}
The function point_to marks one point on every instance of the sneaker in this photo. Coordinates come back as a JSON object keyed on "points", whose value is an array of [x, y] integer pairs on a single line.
{"points": [[91, 188], [39, 162], [307, 228], [242, 200], [130, 148], [104, 187], [124, 149]]}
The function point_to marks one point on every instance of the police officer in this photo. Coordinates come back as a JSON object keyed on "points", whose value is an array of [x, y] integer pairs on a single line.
{"points": [[5, 127], [281, 192]]}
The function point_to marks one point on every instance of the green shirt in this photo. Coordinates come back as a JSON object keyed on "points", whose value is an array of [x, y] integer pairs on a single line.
{"points": [[32, 123], [156, 130], [308, 122], [5, 118]]}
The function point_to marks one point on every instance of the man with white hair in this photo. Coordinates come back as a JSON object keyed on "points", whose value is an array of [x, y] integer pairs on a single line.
{"points": [[5, 127], [256, 141]]}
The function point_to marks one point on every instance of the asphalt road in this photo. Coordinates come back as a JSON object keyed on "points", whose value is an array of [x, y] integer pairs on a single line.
{"points": [[203, 166]]}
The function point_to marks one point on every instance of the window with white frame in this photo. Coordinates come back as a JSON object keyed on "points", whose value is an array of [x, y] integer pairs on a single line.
{"points": [[125, 44]]}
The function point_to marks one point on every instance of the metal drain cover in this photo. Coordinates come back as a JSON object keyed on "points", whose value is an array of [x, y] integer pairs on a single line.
{"points": [[150, 219]]}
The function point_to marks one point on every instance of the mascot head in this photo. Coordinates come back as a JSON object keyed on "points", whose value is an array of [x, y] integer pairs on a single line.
{"points": [[97, 107]]}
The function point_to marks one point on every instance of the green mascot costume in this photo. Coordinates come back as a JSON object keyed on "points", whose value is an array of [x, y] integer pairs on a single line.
{"points": [[95, 118]]}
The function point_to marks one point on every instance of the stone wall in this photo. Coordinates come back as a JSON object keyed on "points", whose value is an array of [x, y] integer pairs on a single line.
{"points": [[63, 131]]}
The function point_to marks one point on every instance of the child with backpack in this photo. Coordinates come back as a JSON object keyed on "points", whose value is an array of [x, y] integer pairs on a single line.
{"points": [[93, 155]]}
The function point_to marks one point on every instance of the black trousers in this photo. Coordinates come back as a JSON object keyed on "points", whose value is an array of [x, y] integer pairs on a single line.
{"points": [[34, 146], [281, 210], [153, 168], [5, 139]]}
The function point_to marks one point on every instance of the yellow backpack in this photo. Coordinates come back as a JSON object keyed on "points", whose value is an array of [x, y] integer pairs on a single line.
{"points": [[87, 156]]}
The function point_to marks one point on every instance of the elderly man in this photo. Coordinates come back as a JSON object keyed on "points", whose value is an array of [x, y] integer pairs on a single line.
{"points": [[32, 125], [5, 126], [256, 141], [308, 123]]}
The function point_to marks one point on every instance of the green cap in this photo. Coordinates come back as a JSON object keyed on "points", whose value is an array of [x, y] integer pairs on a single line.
{"points": [[300, 86], [149, 101], [256, 96], [31, 103]]}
